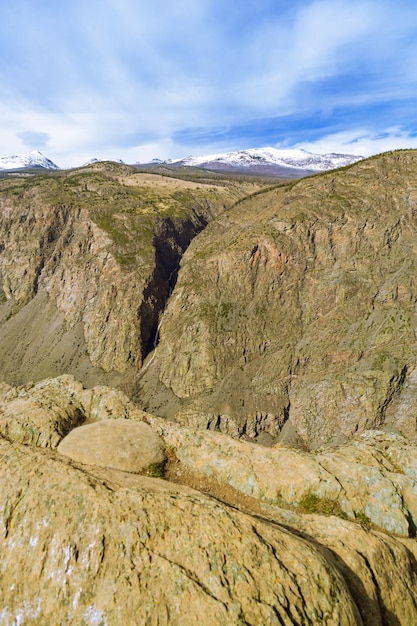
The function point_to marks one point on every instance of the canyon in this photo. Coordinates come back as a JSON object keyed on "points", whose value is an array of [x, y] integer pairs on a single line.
{"points": [[248, 348]]}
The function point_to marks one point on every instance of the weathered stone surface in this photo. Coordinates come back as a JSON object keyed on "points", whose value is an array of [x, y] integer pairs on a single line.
{"points": [[373, 488], [297, 307], [93, 551], [373, 564], [184, 554], [102, 402], [121, 444], [360, 479], [41, 414], [87, 261], [373, 477]]}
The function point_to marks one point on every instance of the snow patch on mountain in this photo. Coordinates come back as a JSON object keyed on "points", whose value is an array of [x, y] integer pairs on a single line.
{"points": [[28, 160], [292, 158], [94, 160]]}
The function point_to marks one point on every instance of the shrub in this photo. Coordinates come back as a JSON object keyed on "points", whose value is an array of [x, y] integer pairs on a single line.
{"points": [[363, 520], [156, 470], [312, 503]]}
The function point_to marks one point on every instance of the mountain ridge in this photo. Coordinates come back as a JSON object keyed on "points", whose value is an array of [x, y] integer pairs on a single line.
{"points": [[27, 160], [293, 162], [295, 319], [255, 158]]}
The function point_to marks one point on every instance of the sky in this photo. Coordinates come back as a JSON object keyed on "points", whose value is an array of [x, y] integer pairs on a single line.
{"points": [[137, 80]]}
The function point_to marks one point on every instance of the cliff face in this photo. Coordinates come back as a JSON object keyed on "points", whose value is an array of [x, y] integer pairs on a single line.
{"points": [[290, 316], [87, 261], [294, 313]]}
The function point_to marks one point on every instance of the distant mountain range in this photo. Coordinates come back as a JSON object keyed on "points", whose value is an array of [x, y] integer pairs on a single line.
{"points": [[28, 160], [291, 162], [270, 161]]}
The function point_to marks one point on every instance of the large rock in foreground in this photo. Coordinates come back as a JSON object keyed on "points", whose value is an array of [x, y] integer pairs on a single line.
{"points": [[121, 444], [92, 545], [97, 552], [372, 479]]}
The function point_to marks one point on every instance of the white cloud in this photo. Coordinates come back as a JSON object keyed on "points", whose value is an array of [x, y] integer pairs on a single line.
{"points": [[361, 142], [93, 75], [318, 42]]}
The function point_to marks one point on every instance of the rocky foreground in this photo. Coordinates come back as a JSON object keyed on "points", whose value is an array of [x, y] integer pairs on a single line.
{"points": [[271, 536]]}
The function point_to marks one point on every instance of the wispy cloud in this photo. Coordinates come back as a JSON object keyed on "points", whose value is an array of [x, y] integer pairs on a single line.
{"points": [[132, 79], [362, 142]]}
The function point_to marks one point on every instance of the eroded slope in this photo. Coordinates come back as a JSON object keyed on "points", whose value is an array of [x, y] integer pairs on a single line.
{"points": [[87, 261], [294, 313]]}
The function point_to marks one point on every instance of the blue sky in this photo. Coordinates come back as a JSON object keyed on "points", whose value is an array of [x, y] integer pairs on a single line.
{"points": [[136, 80]]}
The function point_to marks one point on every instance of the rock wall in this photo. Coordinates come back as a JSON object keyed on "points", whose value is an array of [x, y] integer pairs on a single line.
{"points": [[100, 251], [294, 312]]}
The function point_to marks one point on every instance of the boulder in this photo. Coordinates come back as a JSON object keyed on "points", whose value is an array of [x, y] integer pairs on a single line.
{"points": [[41, 414], [121, 444]]}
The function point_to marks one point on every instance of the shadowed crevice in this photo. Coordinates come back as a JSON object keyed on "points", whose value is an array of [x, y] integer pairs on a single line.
{"points": [[170, 242]]}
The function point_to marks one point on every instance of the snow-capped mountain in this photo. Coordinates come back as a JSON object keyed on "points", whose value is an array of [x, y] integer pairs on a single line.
{"points": [[269, 157], [94, 160], [91, 162], [28, 160]]}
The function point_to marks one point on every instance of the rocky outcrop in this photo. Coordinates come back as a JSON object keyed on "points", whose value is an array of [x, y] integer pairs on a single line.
{"points": [[294, 313], [372, 479], [372, 564], [41, 414], [95, 552], [273, 546], [87, 261]]}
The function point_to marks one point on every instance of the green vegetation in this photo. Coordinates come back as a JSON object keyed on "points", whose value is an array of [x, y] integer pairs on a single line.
{"points": [[311, 503], [156, 470], [363, 520]]}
